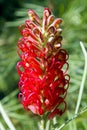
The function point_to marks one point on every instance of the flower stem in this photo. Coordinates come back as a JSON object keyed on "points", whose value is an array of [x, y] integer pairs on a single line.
{"points": [[6, 118], [41, 125], [83, 78], [55, 121], [48, 125]]}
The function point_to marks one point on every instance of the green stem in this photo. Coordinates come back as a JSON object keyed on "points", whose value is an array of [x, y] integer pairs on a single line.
{"points": [[48, 125], [41, 125], [6, 118], [55, 121], [83, 78]]}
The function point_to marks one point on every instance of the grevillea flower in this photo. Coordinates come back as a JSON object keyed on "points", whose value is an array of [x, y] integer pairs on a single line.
{"points": [[43, 66]]}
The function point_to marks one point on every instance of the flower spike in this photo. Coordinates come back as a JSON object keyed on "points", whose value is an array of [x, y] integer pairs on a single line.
{"points": [[43, 80]]}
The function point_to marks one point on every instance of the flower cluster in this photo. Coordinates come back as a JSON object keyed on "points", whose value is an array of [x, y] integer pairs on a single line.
{"points": [[43, 66]]}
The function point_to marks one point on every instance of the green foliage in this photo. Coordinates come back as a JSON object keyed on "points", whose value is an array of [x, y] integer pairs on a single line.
{"points": [[74, 30], [75, 21]]}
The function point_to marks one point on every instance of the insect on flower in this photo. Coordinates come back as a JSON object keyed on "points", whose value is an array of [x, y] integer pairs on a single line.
{"points": [[43, 81]]}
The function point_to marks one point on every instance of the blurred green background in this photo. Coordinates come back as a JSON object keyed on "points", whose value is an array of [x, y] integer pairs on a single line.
{"points": [[12, 14]]}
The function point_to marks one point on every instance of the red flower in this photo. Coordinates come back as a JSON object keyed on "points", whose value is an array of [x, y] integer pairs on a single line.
{"points": [[43, 81]]}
